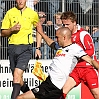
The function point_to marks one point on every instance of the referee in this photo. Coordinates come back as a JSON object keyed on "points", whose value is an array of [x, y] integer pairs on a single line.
{"points": [[17, 26]]}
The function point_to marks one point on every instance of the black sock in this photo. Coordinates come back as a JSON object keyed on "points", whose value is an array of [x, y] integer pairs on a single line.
{"points": [[24, 88], [16, 90]]}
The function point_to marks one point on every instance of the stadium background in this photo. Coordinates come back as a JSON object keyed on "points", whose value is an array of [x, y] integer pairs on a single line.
{"points": [[87, 12]]}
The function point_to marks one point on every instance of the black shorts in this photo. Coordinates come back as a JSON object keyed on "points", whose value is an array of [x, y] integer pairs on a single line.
{"points": [[19, 56], [47, 90]]}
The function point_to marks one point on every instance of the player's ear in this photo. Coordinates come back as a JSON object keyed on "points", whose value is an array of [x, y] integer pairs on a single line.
{"points": [[74, 23], [65, 37]]}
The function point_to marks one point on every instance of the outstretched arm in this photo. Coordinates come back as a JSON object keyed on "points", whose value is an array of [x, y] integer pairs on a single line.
{"points": [[91, 61], [48, 40]]}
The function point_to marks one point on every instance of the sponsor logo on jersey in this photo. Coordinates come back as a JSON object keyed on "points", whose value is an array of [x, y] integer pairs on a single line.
{"points": [[59, 53]]}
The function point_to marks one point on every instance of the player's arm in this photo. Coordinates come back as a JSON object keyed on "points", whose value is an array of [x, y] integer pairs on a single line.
{"points": [[91, 61], [88, 44], [6, 32], [48, 40], [38, 40], [7, 29], [13, 30]]}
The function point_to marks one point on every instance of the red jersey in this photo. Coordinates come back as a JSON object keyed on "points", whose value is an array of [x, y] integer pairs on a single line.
{"points": [[84, 39]]}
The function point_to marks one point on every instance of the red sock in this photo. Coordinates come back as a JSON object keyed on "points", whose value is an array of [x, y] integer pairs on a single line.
{"points": [[63, 96]]}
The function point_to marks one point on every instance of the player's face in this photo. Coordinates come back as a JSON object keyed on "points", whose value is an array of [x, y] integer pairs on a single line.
{"points": [[59, 39], [21, 4], [68, 23]]}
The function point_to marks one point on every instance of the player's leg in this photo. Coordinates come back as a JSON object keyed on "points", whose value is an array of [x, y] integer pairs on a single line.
{"points": [[16, 82], [23, 59], [95, 92], [27, 55], [15, 72], [24, 86], [27, 95], [22, 56], [70, 83]]}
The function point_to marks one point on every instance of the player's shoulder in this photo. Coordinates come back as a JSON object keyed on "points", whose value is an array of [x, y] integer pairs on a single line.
{"points": [[81, 30], [75, 47], [84, 33], [72, 46], [12, 10]]}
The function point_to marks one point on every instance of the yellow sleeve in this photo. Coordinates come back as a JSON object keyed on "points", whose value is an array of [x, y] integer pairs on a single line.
{"points": [[6, 22], [36, 19]]}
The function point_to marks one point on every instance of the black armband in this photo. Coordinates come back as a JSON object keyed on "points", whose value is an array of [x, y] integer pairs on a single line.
{"points": [[53, 46]]}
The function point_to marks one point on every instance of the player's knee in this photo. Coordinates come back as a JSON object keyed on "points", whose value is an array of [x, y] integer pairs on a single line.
{"points": [[17, 79], [18, 97], [17, 76]]}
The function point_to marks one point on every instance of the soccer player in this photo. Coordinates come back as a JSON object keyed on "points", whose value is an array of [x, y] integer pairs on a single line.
{"points": [[17, 26], [88, 75], [65, 59]]}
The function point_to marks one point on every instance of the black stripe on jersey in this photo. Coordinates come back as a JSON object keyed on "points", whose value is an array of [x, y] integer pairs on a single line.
{"points": [[80, 57], [83, 55]]}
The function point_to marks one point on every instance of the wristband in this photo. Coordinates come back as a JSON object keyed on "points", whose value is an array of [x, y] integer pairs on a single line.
{"points": [[38, 48]]}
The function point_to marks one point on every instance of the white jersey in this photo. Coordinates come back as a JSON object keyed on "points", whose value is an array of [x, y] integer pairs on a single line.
{"points": [[63, 63]]}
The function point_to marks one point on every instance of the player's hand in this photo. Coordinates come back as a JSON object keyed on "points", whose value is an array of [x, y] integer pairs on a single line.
{"points": [[16, 28], [38, 53]]}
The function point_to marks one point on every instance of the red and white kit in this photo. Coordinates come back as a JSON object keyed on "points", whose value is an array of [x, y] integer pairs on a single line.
{"points": [[84, 72]]}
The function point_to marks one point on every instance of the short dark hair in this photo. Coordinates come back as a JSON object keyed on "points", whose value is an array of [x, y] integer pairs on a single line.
{"points": [[69, 15]]}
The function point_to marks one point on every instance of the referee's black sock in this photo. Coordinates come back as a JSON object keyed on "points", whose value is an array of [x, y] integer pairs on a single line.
{"points": [[16, 90], [24, 88]]}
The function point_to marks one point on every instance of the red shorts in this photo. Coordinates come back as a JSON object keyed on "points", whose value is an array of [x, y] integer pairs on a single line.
{"points": [[89, 76]]}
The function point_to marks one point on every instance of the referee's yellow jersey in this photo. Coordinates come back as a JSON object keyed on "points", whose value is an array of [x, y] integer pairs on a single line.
{"points": [[26, 19]]}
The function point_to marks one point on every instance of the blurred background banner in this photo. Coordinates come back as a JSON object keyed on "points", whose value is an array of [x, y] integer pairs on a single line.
{"points": [[87, 12], [79, 92]]}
